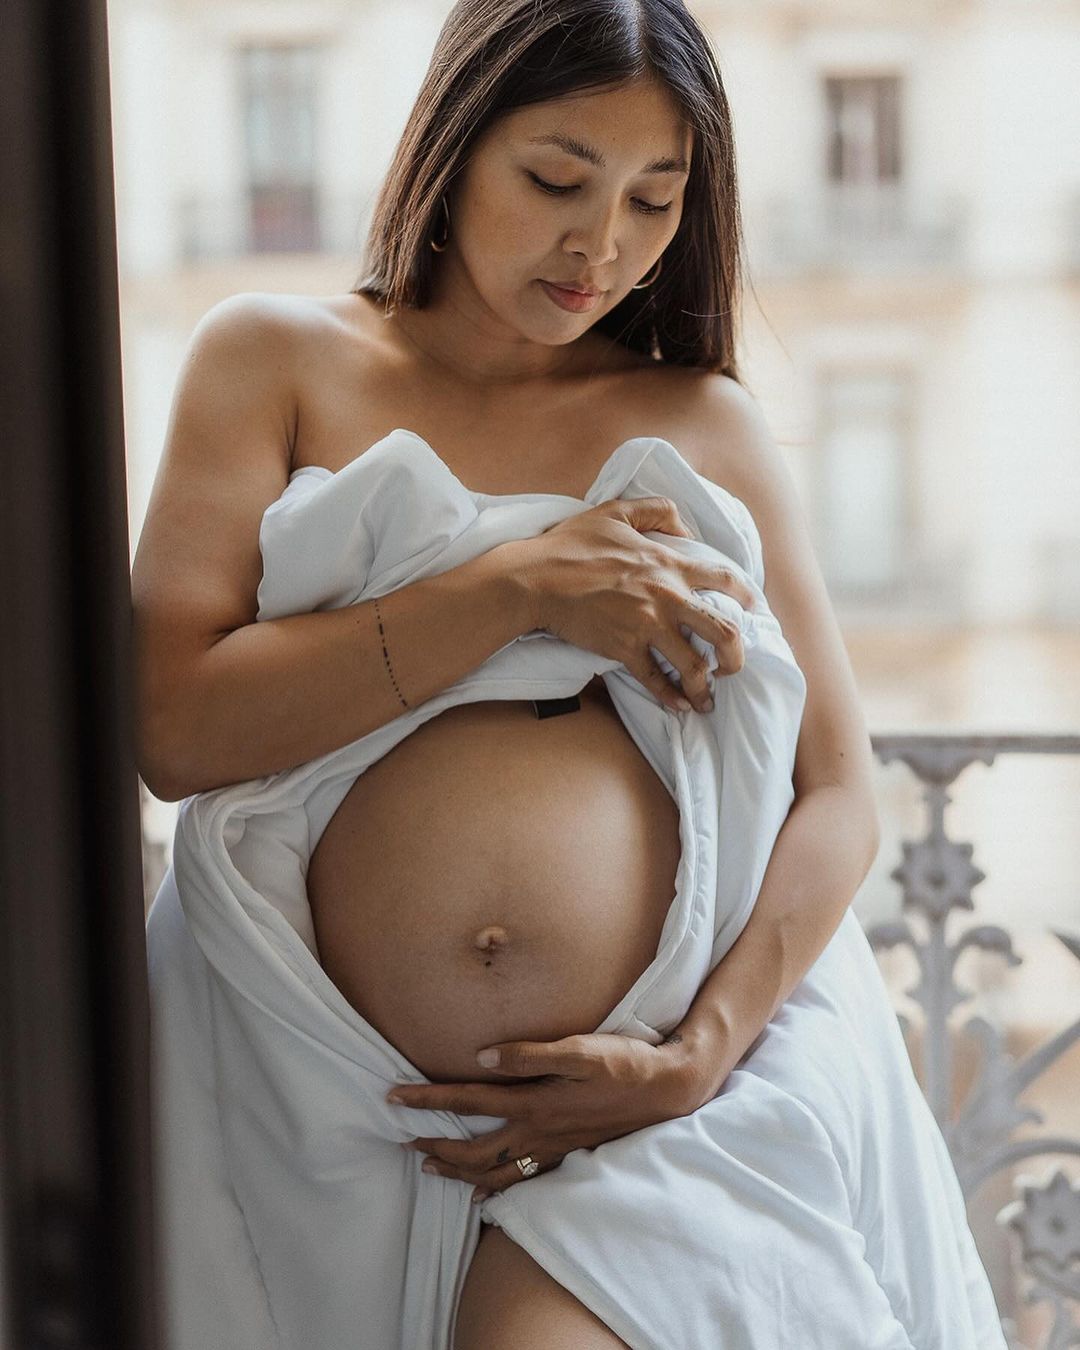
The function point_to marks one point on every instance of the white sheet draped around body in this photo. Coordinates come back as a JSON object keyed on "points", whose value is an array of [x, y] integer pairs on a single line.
{"points": [[811, 1203]]}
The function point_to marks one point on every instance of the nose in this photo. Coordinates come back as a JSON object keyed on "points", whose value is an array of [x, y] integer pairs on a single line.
{"points": [[594, 238]]}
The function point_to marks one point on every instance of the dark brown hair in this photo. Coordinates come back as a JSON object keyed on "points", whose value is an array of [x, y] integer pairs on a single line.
{"points": [[492, 56]]}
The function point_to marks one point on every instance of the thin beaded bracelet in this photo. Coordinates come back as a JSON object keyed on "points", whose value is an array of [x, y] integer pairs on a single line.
{"points": [[386, 655]]}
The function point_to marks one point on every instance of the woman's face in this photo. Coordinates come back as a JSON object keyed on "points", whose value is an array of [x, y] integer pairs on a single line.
{"points": [[619, 161]]}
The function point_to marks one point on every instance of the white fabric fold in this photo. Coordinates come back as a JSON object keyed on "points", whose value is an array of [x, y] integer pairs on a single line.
{"points": [[812, 1202]]}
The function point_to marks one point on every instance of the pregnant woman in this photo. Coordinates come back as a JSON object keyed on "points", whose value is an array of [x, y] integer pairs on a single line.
{"points": [[553, 271]]}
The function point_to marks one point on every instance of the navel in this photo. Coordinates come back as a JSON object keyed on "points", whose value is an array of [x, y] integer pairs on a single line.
{"points": [[491, 940]]}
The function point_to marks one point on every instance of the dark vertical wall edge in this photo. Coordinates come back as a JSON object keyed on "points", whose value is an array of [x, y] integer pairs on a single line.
{"points": [[79, 1260]]}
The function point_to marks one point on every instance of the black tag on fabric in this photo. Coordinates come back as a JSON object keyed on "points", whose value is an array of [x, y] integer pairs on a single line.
{"points": [[552, 707]]}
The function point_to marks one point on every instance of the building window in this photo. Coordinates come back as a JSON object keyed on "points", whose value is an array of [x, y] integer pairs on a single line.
{"points": [[862, 484], [863, 128], [863, 159], [278, 91]]}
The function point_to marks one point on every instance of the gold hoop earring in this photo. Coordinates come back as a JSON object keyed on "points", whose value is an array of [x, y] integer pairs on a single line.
{"points": [[438, 247], [642, 284]]}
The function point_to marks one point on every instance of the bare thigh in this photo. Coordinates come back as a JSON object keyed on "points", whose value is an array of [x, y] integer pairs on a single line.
{"points": [[508, 1302]]}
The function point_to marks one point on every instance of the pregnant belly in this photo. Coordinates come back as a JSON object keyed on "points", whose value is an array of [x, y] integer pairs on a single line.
{"points": [[496, 876]]}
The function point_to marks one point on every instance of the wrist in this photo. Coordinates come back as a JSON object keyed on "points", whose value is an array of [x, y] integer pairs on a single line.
{"points": [[519, 583], [700, 1052], [681, 1080]]}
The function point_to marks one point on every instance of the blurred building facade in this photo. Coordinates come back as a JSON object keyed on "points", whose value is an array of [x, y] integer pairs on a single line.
{"points": [[910, 174]]}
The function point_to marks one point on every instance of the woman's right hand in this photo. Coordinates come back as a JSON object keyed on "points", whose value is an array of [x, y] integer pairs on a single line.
{"points": [[597, 582]]}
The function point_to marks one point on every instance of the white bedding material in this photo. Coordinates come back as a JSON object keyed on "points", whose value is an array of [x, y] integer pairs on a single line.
{"points": [[811, 1203]]}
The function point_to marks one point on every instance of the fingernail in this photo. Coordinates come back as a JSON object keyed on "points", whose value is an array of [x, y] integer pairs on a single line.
{"points": [[393, 1097], [428, 1166], [488, 1058], [707, 706], [682, 704]]}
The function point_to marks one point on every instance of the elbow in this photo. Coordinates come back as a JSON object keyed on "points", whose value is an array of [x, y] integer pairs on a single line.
{"points": [[162, 789], [158, 780], [156, 765]]}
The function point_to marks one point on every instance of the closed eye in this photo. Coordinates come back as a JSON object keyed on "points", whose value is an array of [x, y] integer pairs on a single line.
{"points": [[646, 208]]}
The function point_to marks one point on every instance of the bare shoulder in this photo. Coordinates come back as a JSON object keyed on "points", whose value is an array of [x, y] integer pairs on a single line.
{"points": [[244, 348], [250, 322], [725, 436], [717, 426], [289, 348], [282, 328]]}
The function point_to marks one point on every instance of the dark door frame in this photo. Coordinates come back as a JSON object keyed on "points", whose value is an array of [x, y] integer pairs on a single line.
{"points": [[77, 1239]]}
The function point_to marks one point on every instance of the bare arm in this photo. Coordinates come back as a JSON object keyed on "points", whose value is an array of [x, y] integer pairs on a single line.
{"points": [[275, 694], [221, 697]]}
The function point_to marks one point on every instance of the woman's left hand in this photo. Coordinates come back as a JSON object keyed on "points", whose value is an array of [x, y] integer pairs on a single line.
{"points": [[595, 1088]]}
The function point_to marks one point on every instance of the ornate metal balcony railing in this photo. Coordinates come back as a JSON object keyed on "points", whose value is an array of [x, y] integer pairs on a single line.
{"points": [[937, 876]]}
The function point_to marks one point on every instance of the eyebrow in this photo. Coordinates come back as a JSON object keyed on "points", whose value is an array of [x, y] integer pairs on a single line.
{"points": [[573, 146]]}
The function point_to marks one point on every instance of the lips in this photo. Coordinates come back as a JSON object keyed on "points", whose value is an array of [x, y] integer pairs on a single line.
{"points": [[576, 287]]}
